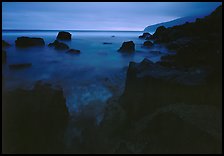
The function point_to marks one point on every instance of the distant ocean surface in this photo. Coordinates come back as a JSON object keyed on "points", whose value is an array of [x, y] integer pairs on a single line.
{"points": [[84, 77]]}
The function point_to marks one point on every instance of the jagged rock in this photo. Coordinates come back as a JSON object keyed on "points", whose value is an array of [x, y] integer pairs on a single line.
{"points": [[145, 35], [127, 47], [148, 44], [58, 45], [5, 44], [73, 51], [20, 66], [147, 82], [24, 42], [34, 121], [62, 35]]}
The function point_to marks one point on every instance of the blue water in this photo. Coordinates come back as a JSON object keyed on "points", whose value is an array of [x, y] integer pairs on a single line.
{"points": [[85, 77]]}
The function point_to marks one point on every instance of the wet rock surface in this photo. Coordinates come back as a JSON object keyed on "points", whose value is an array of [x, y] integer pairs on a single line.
{"points": [[62, 35], [25, 42], [34, 120], [127, 47], [58, 45], [73, 51]]}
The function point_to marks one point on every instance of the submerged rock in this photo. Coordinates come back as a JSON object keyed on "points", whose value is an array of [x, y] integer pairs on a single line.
{"points": [[20, 65], [107, 43], [34, 120], [5, 44], [127, 47], [24, 42], [62, 35], [58, 45], [73, 51], [148, 44]]}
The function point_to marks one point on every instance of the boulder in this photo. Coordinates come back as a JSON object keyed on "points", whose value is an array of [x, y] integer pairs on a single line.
{"points": [[62, 35], [20, 66], [58, 45], [34, 121], [127, 47], [148, 44], [73, 51], [145, 35], [24, 42], [5, 44]]}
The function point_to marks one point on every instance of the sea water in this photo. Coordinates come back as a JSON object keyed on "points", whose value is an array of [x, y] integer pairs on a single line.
{"points": [[84, 77]]}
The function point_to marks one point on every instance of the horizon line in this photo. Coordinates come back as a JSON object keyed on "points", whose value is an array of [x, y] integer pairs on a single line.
{"points": [[63, 30]]}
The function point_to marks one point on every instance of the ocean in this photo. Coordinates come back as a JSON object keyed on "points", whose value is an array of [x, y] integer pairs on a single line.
{"points": [[91, 77]]}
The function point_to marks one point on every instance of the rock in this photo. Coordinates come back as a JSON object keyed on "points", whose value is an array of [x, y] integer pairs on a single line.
{"points": [[148, 82], [24, 42], [145, 35], [160, 34], [4, 56], [58, 45], [148, 44], [127, 47], [73, 51], [34, 121], [107, 43], [112, 36], [62, 35], [5, 44], [166, 126], [20, 66]]}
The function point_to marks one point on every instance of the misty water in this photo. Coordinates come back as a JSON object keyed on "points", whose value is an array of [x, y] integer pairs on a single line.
{"points": [[91, 77]]}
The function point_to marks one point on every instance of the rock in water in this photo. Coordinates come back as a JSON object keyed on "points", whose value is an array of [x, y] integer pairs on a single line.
{"points": [[148, 44], [127, 47], [5, 44], [62, 35], [145, 35], [58, 45], [73, 51], [34, 120], [20, 66], [24, 42]]}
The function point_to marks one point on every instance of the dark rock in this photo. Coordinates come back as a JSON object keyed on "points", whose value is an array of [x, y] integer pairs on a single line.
{"points": [[148, 44], [148, 82], [127, 47], [24, 42], [62, 35], [73, 51], [58, 45], [5, 44], [20, 66], [145, 35], [193, 44], [34, 121], [107, 43], [4, 56], [160, 34], [168, 126]]}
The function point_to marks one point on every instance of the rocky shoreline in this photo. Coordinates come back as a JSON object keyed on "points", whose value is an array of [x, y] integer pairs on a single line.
{"points": [[172, 106]]}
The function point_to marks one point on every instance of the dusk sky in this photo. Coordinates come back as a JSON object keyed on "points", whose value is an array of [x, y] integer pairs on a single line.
{"points": [[96, 15]]}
